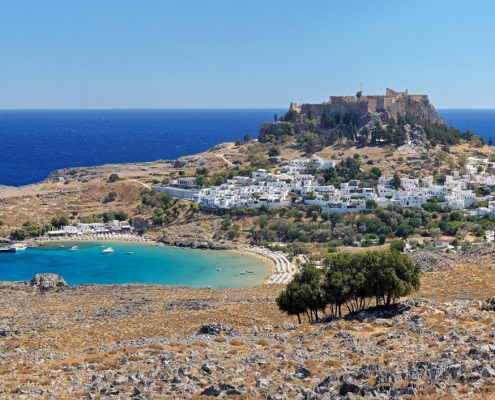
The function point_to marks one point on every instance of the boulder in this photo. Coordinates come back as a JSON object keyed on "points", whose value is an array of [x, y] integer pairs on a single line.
{"points": [[47, 282], [349, 385], [215, 330], [301, 372], [489, 304], [212, 391]]}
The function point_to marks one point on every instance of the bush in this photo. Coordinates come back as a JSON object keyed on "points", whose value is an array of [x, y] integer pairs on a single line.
{"points": [[273, 151], [397, 245], [110, 197], [60, 221], [113, 178]]}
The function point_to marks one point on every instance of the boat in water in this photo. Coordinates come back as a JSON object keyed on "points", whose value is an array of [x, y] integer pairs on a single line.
{"points": [[74, 248], [129, 253], [108, 250], [17, 248]]}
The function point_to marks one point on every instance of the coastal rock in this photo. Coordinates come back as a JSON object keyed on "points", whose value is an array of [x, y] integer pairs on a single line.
{"points": [[47, 282]]}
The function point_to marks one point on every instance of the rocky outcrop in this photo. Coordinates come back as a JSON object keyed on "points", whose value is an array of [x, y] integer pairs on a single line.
{"points": [[417, 106], [47, 282]]}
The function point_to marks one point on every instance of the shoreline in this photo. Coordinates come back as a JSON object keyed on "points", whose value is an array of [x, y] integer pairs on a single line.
{"points": [[279, 269]]}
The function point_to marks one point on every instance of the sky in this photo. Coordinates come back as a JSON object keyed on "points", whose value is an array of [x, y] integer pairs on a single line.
{"points": [[234, 53]]}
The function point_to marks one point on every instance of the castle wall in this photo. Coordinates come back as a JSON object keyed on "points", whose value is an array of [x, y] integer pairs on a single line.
{"points": [[395, 103]]}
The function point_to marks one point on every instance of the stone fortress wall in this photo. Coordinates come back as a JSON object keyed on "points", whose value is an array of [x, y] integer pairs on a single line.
{"points": [[393, 102]]}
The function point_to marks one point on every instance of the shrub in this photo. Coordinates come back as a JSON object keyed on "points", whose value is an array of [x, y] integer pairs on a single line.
{"points": [[111, 196], [113, 178]]}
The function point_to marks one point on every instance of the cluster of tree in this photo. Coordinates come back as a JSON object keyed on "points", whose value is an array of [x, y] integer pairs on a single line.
{"points": [[309, 224], [205, 179], [59, 221], [313, 135], [354, 280], [232, 230], [164, 208], [30, 230], [119, 215]]}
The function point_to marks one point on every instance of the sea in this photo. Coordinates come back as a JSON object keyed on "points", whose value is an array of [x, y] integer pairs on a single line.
{"points": [[34, 143], [134, 263]]}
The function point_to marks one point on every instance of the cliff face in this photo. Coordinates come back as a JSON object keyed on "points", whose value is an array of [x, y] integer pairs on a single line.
{"points": [[418, 106]]}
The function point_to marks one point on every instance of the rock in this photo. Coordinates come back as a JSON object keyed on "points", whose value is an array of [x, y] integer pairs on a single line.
{"points": [[6, 331], [215, 330], [48, 282], [489, 304], [262, 383], [349, 385], [205, 368], [212, 391], [308, 394], [487, 372], [301, 372]]}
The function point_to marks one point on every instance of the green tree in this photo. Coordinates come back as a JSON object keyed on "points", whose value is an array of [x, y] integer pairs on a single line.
{"points": [[113, 178], [60, 221], [273, 151], [397, 245]]}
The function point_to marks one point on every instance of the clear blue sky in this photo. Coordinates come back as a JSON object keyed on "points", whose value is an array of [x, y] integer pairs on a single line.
{"points": [[242, 53]]}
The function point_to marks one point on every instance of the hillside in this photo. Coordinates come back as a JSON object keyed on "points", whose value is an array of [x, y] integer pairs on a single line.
{"points": [[151, 341], [396, 118]]}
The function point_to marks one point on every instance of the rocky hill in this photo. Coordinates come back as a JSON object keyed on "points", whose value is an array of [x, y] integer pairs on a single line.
{"points": [[393, 118], [153, 341]]}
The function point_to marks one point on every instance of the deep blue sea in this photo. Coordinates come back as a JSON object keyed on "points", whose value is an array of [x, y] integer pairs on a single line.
{"points": [[35, 143]]}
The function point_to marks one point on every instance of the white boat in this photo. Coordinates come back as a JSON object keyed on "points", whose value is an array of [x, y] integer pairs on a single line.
{"points": [[108, 250], [219, 269], [17, 247], [74, 248], [129, 253]]}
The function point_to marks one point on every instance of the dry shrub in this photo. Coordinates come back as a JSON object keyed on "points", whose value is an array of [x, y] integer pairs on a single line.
{"points": [[220, 339], [263, 342], [236, 342]]}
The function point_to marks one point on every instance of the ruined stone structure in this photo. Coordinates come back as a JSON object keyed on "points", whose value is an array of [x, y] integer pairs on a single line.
{"points": [[392, 103]]}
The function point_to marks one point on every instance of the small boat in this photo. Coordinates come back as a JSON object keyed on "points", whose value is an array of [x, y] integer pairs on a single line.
{"points": [[17, 247], [249, 272], [242, 272], [61, 246], [219, 269], [74, 248], [108, 250], [129, 253]]}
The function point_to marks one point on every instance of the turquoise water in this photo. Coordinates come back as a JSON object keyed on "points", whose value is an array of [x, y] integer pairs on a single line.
{"points": [[147, 264]]}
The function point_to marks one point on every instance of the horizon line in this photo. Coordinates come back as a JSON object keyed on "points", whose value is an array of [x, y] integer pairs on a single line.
{"points": [[188, 108]]}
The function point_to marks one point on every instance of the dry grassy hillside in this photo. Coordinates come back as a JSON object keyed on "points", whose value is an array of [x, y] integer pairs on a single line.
{"points": [[143, 341]]}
